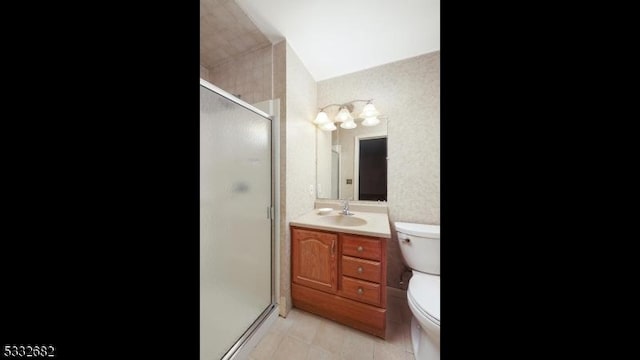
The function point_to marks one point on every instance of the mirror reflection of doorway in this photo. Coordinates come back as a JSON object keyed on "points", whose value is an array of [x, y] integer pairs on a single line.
{"points": [[372, 169], [335, 174]]}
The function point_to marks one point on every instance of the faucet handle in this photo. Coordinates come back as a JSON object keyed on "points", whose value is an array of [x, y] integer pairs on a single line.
{"points": [[345, 207]]}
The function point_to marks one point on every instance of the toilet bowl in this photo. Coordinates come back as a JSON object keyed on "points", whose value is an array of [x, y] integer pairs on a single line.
{"points": [[423, 297], [420, 247]]}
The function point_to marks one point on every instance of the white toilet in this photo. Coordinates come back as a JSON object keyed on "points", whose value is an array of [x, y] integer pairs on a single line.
{"points": [[420, 246]]}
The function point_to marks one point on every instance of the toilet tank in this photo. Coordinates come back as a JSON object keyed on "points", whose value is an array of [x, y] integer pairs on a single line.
{"points": [[420, 246]]}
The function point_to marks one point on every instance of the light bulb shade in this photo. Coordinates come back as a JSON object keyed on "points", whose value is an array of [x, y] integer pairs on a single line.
{"points": [[344, 115], [370, 121], [328, 126], [322, 118], [369, 111], [348, 125]]}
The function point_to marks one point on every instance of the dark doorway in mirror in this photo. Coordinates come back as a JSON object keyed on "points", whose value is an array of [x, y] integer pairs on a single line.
{"points": [[373, 169]]}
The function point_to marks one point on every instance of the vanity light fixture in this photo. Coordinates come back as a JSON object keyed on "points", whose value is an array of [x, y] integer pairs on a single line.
{"points": [[369, 116], [344, 115], [348, 125], [322, 118], [330, 126]]}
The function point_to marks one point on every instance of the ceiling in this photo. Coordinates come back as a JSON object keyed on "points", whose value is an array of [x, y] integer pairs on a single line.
{"points": [[331, 37]]}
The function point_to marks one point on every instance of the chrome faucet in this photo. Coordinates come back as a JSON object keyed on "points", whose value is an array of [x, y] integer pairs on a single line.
{"points": [[345, 209]]}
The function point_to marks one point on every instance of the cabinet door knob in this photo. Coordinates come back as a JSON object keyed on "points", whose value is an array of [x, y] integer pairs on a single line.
{"points": [[360, 291], [360, 248], [360, 269]]}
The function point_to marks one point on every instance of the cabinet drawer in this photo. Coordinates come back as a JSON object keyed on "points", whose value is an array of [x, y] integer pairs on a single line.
{"points": [[361, 269], [360, 290], [361, 246]]}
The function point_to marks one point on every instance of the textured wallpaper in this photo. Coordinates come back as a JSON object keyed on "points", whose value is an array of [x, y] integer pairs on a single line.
{"points": [[408, 92], [301, 106]]}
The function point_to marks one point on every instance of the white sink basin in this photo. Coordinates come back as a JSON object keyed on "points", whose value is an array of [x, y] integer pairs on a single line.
{"points": [[342, 220], [367, 223]]}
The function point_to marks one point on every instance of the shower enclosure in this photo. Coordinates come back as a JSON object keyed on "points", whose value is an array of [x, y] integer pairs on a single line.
{"points": [[236, 223]]}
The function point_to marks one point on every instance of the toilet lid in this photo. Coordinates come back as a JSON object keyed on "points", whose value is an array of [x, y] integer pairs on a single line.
{"points": [[424, 290], [421, 230]]}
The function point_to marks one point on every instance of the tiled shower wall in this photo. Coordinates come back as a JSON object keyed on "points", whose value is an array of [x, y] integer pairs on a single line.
{"points": [[204, 73], [295, 88], [249, 76]]}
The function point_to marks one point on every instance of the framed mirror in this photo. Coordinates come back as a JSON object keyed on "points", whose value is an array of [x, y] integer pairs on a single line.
{"points": [[352, 163]]}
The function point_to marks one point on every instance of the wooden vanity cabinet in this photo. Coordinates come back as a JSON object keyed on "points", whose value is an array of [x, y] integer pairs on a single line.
{"points": [[341, 277], [315, 259]]}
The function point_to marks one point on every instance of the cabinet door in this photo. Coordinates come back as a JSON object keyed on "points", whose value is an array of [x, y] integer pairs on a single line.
{"points": [[315, 261]]}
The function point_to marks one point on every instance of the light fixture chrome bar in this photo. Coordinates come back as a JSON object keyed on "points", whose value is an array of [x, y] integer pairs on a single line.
{"points": [[346, 104]]}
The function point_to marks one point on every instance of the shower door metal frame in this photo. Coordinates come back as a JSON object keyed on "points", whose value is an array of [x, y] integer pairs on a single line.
{"points": [[273, 215]]}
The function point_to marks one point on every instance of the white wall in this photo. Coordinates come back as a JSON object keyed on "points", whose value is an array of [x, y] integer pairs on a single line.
{"points": [[323, 148], [300, 156]]}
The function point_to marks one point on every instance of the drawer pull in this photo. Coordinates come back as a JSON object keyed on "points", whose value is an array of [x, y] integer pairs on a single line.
{"points": [[360, 269], [360, 291], [360, 248]]}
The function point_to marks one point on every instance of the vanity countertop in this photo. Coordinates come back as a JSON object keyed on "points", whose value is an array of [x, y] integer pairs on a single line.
{"points": [[377, 223]]}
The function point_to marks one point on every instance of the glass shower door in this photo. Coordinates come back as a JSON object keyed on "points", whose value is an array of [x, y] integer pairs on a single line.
{"points": [[235, 225]]}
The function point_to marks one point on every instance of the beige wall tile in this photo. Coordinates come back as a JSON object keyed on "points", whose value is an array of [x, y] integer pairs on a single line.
{"points": [[226, 33], [204, 73], [245, 76]]}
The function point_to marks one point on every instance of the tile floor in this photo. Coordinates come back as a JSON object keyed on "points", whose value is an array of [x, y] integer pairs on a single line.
{"points": [[302, 335]]}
